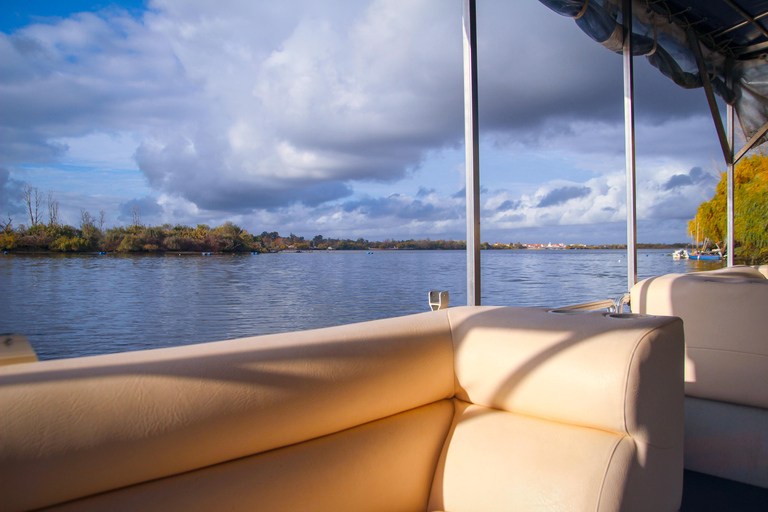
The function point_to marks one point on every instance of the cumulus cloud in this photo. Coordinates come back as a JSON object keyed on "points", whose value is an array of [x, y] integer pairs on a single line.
{"points": [[694, 177], [678, 180], [10, 194], [327, 98], [276, 112], [136, 209], [424, 192], [401, 206], [509, 205], [84, 74], [562, 195]]}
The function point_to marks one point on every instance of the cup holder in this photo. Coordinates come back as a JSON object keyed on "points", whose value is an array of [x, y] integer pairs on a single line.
{"points": [[625, 316], [733, 280]]}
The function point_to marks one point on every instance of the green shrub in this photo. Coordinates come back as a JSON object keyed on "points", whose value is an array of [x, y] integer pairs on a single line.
{"points": [[8, 241], [69, 244], [130, 243]]}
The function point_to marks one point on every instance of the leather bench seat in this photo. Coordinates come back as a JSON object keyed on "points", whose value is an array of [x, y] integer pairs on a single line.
{"points": [[726, 374], [464, 409]]}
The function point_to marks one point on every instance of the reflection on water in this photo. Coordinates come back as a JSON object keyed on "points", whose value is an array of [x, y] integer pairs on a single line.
{"points": [[73, 305]]}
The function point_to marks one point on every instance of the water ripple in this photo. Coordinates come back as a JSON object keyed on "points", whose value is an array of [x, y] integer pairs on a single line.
{"points": [[73, 305]]}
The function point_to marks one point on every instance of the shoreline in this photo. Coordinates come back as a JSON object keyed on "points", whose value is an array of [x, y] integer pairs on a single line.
{"points": [[617, 247]]}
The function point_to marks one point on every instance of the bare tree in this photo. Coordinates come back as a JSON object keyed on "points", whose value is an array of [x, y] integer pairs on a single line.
{"points": [[38, 203], [136, 214], [26, 196], [102, 214], [53, 210], [7, 225], [86, 220], [32, 198]]}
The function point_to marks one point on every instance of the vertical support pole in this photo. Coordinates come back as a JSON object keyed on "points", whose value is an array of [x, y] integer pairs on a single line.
{"points": [[725, 134], [729, 161], [472, 147], [629, 144]]}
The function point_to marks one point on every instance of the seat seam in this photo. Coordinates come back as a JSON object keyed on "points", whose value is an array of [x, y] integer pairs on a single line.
{"points": [[626, 384], [629, 369], [453, 353], [605, 473]]}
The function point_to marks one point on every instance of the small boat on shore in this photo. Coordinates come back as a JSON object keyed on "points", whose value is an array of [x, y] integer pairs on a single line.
{"points": [[683, 254], [705, 256]]}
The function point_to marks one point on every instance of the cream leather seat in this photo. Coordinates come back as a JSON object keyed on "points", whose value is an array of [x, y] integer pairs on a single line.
{"points": [[465, 409], [725, 313]]}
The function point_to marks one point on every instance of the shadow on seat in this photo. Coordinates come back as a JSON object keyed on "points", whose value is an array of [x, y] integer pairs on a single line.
{"points": [[725, 316], [464, 409]]}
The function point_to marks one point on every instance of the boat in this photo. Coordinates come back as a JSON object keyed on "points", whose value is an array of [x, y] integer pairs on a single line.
{"points": [[464, 408], [705, 256], [680, 254]]}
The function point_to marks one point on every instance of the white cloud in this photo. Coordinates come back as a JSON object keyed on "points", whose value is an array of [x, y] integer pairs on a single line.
{"points": [[305, 115]]}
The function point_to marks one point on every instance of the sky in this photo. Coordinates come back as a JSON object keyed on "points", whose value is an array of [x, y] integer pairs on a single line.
{"points": [[339, 117]]}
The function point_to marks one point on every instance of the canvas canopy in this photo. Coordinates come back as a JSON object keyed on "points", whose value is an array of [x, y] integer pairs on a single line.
{"points": [[730, 36], [720, 45]]}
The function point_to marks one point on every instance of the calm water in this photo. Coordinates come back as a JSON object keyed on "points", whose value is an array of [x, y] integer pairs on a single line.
{"points": [[73, 305]]}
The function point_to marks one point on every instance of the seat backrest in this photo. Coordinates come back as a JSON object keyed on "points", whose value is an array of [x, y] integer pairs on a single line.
{"points": [[726, 366], [726, 329], [471, 408], [202, 426], [563, 411]]}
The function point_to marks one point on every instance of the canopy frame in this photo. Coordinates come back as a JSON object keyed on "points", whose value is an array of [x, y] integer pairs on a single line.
{"points": [[629, 142], [724, 135], [728, 49], [472, 152]]}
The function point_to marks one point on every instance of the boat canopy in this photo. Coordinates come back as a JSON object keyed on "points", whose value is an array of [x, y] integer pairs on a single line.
{"points": [[718, 45], [729, 35]]}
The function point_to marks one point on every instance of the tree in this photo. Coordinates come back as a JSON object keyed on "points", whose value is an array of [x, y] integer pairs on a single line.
{"points": [[91, 233], [32, 198], [53, 210], [751, 211], [7, 235], [136, 215]]}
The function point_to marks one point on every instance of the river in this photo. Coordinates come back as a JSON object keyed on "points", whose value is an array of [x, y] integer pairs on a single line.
{"points": [[76, 305]]}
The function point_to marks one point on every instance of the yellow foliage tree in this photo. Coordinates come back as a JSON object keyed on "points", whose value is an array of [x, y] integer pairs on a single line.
{"points": [[751, 211]]}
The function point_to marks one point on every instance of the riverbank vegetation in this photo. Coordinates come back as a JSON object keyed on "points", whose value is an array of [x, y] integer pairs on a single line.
{"points": [[92, 236], [751, 212]]}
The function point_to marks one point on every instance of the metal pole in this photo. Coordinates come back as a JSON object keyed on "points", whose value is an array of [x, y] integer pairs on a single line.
{"points": [[730, 162], [724, 133], [731, 204], [629, 145], [725, 144], [751, 143], [472, 143]]}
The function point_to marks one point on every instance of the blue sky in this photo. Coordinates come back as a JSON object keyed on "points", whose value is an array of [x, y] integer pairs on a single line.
{"points": [[338, 117], [19, 13]]}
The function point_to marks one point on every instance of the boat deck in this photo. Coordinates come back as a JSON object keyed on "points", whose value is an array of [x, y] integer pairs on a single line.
{"points": [[705, 493]]}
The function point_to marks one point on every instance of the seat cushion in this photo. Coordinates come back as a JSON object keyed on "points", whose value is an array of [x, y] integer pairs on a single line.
{"points": [[76, 427], [589, 368], [727, 440], [496, 460], [382, 466], [724, 313]]}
